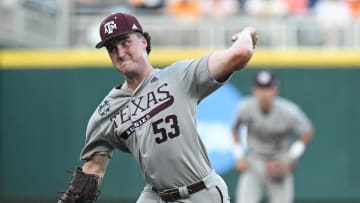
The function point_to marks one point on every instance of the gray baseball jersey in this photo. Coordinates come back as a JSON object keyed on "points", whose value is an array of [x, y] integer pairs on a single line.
{"points": [[270, 134], [156, 123]]}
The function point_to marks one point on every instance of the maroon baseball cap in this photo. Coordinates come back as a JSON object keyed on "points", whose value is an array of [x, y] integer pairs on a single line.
{"points": [[117, 24], [265, 78]]}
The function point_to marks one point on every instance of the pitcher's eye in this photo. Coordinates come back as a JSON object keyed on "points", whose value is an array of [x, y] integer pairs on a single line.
{"points": [[125, 43]]}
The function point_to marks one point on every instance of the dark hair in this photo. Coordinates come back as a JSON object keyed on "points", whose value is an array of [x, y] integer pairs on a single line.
{"points": [[148, 39]]}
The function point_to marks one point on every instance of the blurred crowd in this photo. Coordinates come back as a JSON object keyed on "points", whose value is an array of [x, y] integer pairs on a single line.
{"points": [[332, 10], [334, 18]]}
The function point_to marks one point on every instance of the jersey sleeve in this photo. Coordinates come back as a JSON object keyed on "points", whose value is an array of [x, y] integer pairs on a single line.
{"points": [[242, 115], [196, 77], [98, 138], [100, 131], [301, 123]]}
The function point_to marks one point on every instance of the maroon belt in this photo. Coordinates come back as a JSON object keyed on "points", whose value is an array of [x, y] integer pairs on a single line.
{"points": [[170, 195]]}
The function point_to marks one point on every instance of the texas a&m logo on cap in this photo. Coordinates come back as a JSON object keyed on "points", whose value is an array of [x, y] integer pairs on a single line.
{"points": [[109, 27], [117, 24]]}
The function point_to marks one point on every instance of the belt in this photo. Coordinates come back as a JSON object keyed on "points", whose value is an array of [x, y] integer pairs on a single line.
{"points": [[175, 194]]}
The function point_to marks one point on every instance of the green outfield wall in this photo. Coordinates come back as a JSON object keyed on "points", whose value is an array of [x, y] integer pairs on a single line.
{"points": [[48, 96]]}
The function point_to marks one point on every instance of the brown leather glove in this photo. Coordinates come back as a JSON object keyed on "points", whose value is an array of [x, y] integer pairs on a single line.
{"points": [[83, 188]]}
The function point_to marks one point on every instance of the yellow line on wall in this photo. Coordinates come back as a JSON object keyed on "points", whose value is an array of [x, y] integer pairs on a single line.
{"points": [[53, 58], [93, 58]]}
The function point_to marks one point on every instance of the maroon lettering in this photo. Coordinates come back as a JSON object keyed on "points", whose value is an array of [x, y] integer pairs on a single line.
{"points": [[113, 119], [169, 130], [137, 105], [156, 101], [125, 135], [142, 103], [164, 93], [151, 99], [141, 120], [123, 114]]}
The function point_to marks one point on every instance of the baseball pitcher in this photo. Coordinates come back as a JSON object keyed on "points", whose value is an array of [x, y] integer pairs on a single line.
{"points": [[152, 116]]}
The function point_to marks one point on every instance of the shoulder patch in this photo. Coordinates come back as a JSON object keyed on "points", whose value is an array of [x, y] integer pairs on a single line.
{"points": [[104, 108]]}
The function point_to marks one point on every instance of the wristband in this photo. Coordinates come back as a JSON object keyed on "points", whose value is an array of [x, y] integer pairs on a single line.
{"points": [[296, 149], [238, 151]]}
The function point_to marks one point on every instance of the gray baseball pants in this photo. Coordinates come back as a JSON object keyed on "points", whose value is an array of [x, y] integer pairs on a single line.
{"points": [[216, 191], [254, 183]]}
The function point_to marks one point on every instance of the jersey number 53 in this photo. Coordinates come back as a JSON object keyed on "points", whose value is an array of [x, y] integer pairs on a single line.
{"points": [[166, 128]]}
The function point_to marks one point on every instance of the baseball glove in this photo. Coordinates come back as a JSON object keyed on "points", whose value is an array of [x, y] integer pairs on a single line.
{"points": [[276, 170], [83, 188]]}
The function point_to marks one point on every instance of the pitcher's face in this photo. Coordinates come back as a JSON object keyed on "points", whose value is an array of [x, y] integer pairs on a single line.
{"points": [[127, 52]]}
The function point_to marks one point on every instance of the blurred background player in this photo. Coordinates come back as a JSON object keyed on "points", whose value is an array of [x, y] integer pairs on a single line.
{"points": [[271, 156]]}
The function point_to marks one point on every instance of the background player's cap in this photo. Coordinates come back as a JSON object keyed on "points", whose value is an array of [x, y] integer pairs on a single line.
{"points": [[265, 78], [117, 24]]}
